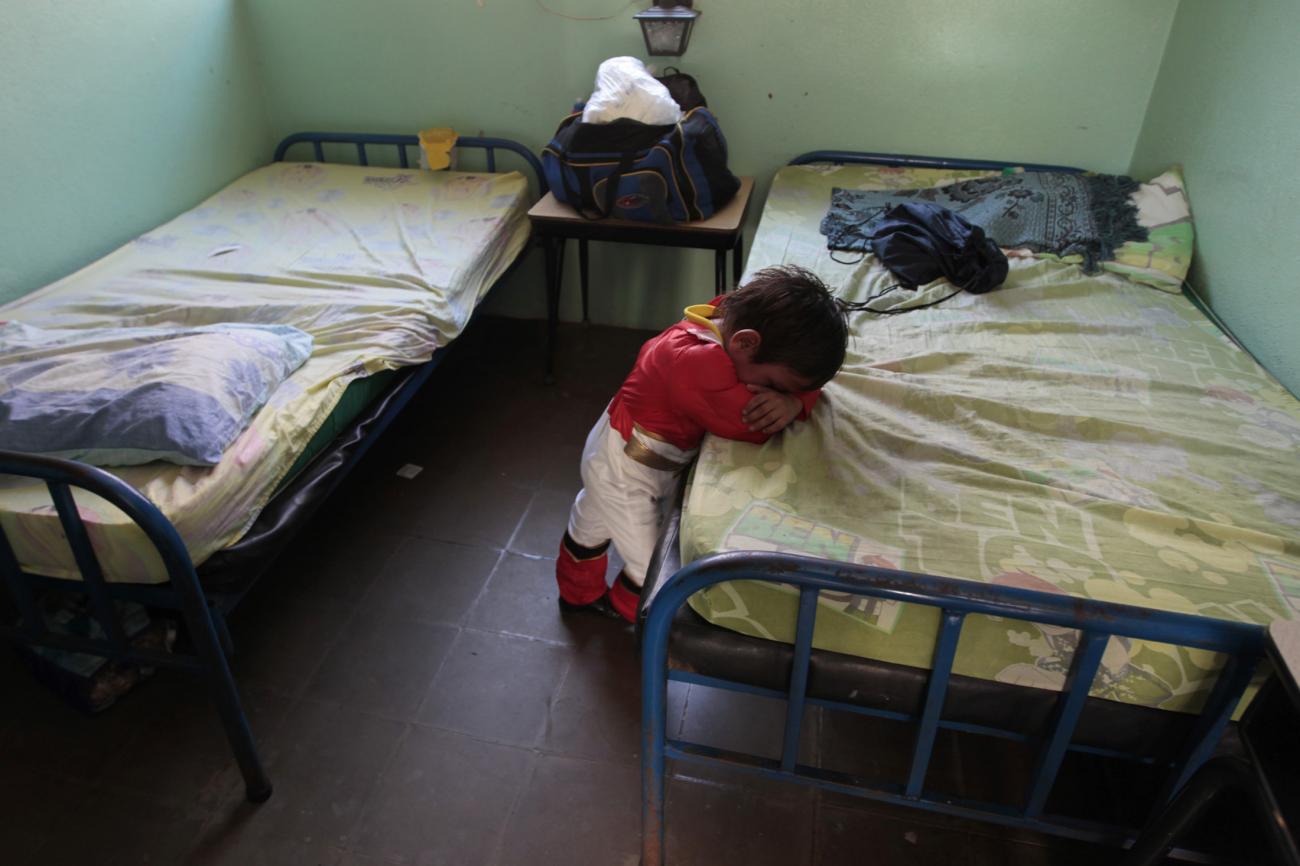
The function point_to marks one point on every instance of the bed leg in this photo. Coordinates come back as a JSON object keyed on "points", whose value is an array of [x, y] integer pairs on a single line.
{"points": [[257, 785], [582, 272], [216, 670], [654, 713], [1215, 777], [223, 634], [737, 260], [554, 252]]}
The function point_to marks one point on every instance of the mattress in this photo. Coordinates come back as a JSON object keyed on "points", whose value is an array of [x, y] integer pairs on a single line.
{"points": [[1077, 434], [354, 399], [380, 266]]}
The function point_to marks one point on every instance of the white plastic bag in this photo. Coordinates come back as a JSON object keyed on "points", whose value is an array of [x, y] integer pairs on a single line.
{"points": [[625, 88]]}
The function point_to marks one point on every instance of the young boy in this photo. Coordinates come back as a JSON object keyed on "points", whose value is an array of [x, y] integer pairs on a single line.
{"points": [[743, 366]]}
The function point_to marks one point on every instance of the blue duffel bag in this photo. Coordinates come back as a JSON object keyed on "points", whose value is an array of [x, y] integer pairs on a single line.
{"points": [[638, 171]]}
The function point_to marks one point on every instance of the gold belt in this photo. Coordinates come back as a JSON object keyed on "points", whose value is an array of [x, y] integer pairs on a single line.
{"points": [[643, 454]]}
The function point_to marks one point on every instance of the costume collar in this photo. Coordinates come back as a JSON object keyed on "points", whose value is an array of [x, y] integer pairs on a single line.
{"points": [[702, 314]]}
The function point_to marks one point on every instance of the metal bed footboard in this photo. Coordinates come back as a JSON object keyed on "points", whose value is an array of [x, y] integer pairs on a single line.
{"points": [[1242, 644], [211, 641]]}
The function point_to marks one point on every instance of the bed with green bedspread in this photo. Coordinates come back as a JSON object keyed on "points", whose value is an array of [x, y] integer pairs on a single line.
{"points": [[381, 266], [1086, 435]]}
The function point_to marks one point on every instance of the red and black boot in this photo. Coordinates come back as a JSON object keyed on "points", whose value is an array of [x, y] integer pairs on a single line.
{"points": [[580, 574], [624, 596]]}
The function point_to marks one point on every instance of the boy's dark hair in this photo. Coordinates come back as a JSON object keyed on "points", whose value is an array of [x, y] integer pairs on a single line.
{"points": [[801, 324]]}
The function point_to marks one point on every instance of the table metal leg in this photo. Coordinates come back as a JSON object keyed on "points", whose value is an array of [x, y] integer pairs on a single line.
{"points": [[737, 254], [582, 271], [720, 270], [554, 249]]}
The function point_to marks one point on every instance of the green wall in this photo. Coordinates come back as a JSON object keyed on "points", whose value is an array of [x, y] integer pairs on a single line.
{"points": [[117, 115], [121, 113], [1038, 80], [1227, 105]]}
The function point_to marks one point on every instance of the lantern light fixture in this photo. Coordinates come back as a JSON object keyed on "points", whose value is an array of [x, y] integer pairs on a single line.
{"points": [[667, 26]]}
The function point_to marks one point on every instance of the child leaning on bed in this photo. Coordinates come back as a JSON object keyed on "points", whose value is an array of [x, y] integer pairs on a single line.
{"points": [[743, 366]]}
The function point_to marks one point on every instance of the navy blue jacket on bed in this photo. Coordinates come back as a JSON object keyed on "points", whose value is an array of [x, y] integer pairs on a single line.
{"points": [[920, 243]]}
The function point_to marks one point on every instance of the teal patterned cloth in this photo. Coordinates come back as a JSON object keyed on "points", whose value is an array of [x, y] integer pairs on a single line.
{"points": [[1046, 212]]}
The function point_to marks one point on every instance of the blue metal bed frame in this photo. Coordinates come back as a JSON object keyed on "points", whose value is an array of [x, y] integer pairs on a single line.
{"points": [[1242, 645], [203, 613]]}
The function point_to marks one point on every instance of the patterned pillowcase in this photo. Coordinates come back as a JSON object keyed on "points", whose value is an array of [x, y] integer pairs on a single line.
{"points": [[124, 396], [1163, 259]]}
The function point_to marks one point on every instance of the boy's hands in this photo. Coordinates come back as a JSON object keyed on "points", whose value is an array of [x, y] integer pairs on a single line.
{"points": [[770, 411]]}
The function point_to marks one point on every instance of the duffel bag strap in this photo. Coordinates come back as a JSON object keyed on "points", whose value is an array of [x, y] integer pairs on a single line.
{"points": [[611, 183], [625, 163], [574, 196]]}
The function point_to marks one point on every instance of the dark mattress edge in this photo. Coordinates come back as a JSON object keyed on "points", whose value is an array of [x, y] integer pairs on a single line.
{"points": [[232, 570]]}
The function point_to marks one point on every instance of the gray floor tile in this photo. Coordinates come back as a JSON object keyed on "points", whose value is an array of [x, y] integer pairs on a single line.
{"points": [[370, 505], [189, 759], [445, 799], [353, 858], [325, 764], [496, 687], [34, 806], [464, 508], [544, 525], [896, 835], [597, 711], [334, 565], [119, 828], [224, 844], [430, 581], [382, 665], [280, 638], [506, 438], [47, 735], [576, 813], [472, 515], [522, 598], [711, 824]]}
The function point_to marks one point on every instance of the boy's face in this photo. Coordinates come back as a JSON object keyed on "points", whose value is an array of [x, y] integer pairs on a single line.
{"points": [[742, 346]]}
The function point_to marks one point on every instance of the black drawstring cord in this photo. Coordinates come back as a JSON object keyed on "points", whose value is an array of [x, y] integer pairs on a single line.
{"points": [[862, 306]]}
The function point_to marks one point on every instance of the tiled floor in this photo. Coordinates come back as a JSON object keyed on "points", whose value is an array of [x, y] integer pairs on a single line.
{"points": [[418, 698]]}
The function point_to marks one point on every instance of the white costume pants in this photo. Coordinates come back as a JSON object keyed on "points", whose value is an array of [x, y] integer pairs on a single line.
{"points": [[623, 500]]}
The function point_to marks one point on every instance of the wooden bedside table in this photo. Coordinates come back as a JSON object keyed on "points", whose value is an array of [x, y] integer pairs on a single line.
{"points": [[556, 223]]}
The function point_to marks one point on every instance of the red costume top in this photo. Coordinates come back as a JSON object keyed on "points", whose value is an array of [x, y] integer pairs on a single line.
{"points": [[684, 384]]}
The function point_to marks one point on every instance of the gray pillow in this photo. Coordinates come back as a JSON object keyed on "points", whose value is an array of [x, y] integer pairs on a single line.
{"points": [[122, 396]]}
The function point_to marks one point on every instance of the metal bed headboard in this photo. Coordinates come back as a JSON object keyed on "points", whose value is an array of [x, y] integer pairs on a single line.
{"points": [[903, 160], [318, 140]]}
